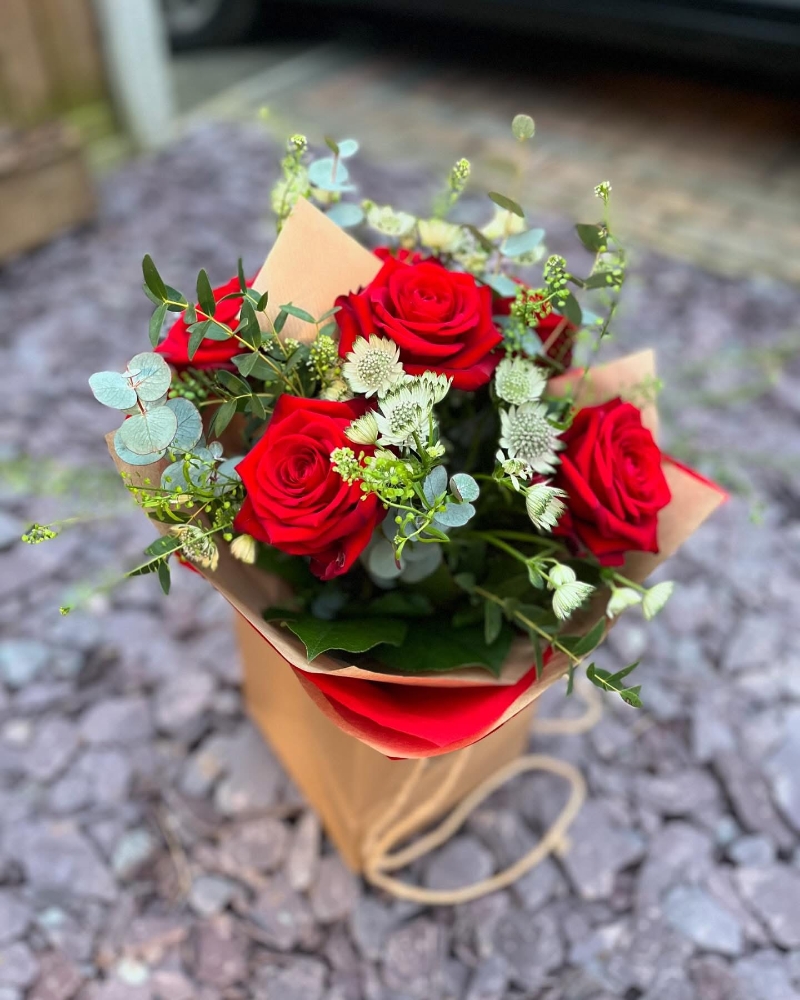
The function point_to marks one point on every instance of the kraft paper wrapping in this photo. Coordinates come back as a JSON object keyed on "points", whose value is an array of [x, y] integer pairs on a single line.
{"points": [[341, 762]]}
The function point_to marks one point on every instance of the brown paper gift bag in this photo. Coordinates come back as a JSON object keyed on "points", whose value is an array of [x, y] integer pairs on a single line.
{"points": [[339, 761]]}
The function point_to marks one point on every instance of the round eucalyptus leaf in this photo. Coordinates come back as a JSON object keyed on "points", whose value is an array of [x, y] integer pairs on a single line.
{"points": [[173, 478], [328, 174], [464, 486], [455, 515], [190, 424], [435, 483], [501, 284], [150, 374], [150, 431], [520, 243], [421, 561], [112, 389], [348, 147], [131, 457], [215, 449], [346, 214], [226, 471], [390, 529], [381, 562]]}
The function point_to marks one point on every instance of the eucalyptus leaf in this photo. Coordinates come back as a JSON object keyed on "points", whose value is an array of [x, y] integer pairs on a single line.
{"points": [[298, 313], [216, 332], [521, 243], [163, 545], [196, 337], [421, 561], [572, 310], [149, 432], [156, 322], [240, 273], [329, 175], [507, 203], [164, 578], [190, 424], [205, 294], [232, 382], [455, 515], [464, 487], [112, 389], [348, 147], [177, 301], [152, 278], [150, 375], [381, 560], [435, 484], [501, 284], [223, 417], [594, 238], [430, 649], [131, 457], [345, 214], [351, 635], [581, 645]]}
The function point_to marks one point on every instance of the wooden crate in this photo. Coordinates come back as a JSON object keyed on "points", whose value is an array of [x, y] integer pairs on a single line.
{"points": [[45, 187]]}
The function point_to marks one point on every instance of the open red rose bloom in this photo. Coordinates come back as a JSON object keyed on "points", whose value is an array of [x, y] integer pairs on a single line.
{"points": [[396, 475]]}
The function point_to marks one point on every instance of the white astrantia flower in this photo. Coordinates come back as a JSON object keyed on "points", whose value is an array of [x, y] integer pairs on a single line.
{"points": [[387, 221], [439, 235], [336, 391], [527, 434], [519, 381], [656, 597], [544, 505], [364, 429], [408, 410], [373, 366], [569, 597], [560, 576], [621, 599]]}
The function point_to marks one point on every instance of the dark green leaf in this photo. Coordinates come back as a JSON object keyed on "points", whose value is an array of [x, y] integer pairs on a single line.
{"points": [[153, 279], [430, 649], [298, 313], [492, 621], [164, 575], [538, 658], [163, 545], [329, 313], [177, 301], [232, 382], [156, 322], [581, 645], [600, 279], [350, 635], [280, 321], [197, 334], [240, 273], [256, 407], [246, 362], [572, 310], [465, 580], [153, 298], [261, 305], [483, 241], [594, 238], [223, 417], [332, 145], [507, 203], [329, 330], [205, 294], [607, 681], [190, 315], [400, 604], [289, 568], [570, 678]]}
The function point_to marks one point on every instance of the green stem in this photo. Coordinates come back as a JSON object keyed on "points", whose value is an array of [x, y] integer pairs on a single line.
{"points": [[524, 620]]}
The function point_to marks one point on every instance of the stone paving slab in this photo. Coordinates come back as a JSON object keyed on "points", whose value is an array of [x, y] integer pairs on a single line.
{"points": [[142, 857]]}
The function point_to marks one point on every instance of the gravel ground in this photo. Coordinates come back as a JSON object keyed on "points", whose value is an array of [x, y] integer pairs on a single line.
{"points": [[151, 846]]}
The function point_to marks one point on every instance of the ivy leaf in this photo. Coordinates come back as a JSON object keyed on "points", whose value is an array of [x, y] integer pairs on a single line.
{"points": [[156, 322], [520, 243], [205, 294], [594, 238], [152, 279], [350, 635], [401, 604], [430, 649], [298, 313], [223, 417], [492, 621], [507, 203], [150, 375], [149, 432], [112, 389], [190, 424], [131, 457]]}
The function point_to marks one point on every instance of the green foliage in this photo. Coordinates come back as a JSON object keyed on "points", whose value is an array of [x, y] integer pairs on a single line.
{"points": [[430, 649], [149, 432], [507, 203], [607, 681], [349, 635]]}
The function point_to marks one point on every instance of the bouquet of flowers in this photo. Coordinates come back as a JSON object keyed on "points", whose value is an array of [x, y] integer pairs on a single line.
{"points": [[403, 467]]}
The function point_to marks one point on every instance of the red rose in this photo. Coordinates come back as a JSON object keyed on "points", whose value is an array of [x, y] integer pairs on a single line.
{"points": [[441, 320], [555, 331], [611, 471], [295, 501], [210, 353]]}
